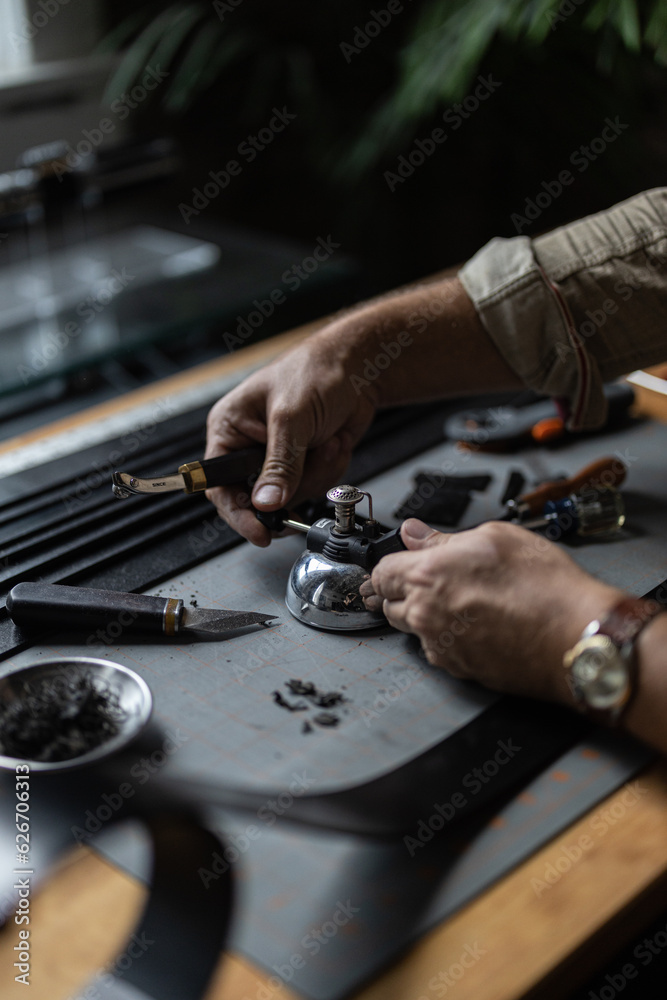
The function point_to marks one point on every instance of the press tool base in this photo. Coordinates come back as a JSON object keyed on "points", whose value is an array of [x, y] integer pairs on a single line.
{"points": [[325, 594]]}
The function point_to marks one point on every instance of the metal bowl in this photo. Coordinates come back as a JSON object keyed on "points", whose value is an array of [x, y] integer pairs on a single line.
{"points": [[134, 698]]}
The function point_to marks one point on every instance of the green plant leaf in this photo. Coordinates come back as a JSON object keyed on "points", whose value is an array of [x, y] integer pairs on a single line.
{"points": [[137, 56], [172, 39], [440, 61], [438, 67], [193, 67], [607, 49], [598, 14], [514, 18], [443, 53], [128, 27], [539, 26], [655, 34], [626, 20]]}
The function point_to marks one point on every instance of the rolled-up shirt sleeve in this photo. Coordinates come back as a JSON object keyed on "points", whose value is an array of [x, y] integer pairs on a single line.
{"points": [[581, 305]]}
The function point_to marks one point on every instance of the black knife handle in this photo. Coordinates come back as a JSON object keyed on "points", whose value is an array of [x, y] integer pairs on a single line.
{"points": [[273, 519], [224, 470], [37, 604]]}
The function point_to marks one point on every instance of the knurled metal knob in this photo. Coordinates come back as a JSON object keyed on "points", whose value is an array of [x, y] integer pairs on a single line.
{"points": [[345, 494], [344, 499]]}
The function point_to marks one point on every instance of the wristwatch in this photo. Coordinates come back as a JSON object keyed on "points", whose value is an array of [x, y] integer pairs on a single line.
{"points": [[601, 668]]}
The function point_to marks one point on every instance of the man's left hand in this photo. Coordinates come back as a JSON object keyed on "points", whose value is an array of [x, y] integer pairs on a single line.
{"points": [[497, 603]]}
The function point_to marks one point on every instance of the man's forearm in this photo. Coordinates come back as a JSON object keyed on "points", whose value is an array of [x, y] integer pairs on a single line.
{"points": [[424, 343]]}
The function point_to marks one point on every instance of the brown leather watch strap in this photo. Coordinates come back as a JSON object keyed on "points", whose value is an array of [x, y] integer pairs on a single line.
{"points": [[627, 618], [621, 625]]}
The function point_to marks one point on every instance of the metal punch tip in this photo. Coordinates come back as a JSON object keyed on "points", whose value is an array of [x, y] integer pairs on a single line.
{"points": [[126, 485], [118, 487]]}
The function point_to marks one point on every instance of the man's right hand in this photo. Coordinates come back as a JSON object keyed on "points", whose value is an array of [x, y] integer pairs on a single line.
{"points": [[311, 405], [304, 408]]}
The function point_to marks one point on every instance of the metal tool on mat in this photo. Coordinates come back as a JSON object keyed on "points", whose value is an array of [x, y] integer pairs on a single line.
{"points": [[323, 585], [193, 477], [599, 512], [504, 428], [605, 473], [53, 604]]}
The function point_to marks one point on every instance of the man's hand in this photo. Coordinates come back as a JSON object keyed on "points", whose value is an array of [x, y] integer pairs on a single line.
{"points": [[311, 406], [305, 409], [497, 604]]}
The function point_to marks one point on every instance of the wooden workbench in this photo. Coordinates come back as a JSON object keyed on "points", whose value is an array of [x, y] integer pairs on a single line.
{"points": [[528, 944]]}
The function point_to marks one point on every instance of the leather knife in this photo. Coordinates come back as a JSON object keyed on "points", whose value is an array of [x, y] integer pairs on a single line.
{"points": [[58, 606], [193, 477]]}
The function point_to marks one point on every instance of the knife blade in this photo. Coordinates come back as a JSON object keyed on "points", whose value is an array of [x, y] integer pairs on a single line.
{"points": [[193, 477], [54, 604]]}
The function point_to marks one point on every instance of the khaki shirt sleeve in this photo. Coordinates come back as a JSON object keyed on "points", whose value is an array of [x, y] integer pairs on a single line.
{"points": [[581, 305]]}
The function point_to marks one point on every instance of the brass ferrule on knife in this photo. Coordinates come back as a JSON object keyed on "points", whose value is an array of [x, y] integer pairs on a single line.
{"points": [[194, 477], [172, 615]]}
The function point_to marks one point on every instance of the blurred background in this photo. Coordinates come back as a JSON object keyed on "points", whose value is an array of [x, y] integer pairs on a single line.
{"points": [[181, 179]]}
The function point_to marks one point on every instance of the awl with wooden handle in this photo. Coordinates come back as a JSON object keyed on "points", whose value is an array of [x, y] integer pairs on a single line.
{"points": [[604, 473]]}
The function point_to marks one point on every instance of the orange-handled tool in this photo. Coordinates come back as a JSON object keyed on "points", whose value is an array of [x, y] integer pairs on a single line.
{"points": [[605, 472]]}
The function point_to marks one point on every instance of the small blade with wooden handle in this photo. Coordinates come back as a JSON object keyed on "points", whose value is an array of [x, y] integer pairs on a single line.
{"points": [[53, 604], [604, 473]]}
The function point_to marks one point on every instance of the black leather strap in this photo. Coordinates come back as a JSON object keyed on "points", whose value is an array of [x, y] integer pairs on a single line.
{"points": [[181, 933]]}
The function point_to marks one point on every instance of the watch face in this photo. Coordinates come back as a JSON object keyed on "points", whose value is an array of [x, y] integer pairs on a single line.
{"points": [[600, 675]]}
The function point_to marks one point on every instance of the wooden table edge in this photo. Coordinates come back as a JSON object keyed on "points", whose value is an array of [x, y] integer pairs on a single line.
{"points": [[517, 940]]}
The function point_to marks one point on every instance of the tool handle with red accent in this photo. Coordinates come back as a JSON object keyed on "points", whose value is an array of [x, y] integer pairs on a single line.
{"points": [[604, 472]]}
